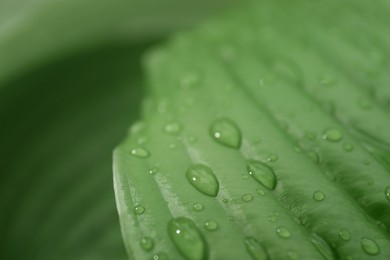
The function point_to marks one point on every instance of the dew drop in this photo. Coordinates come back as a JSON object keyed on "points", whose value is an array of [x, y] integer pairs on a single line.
{"points": [[225, 132], [198, 206], [283, 232], [247, 197], [139, 209], [225, 201], [153, 170], [255, 249], [261, 192], [332, 135], [203, 179], [370, 246], [348, 147], [160, 256], [293, 255], [192, 139], [319, 196], [147, 243], [187, 238], [173, 128], [262, 173], [211, 225], [140, 152], [272, 157], [387, 193], [272, 219], [345, 235]]}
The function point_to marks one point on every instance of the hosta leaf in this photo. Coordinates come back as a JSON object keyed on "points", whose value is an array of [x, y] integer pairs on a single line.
{"points": [[282, 89]]}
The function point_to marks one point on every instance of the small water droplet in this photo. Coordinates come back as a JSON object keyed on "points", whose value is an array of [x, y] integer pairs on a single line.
{"points": [[173, 128], [255, 249], [187, 238], [140, 152], [283, 232], [348, 147], [387, 193], [262, 173], [332, 135], [192, 139], [147, 243], [225, 201], [189, 80], [211, 225], [184, 202], [139, 209], [261, 192], [293, 255], [225, 132], [142, 140], [345, 235], [160, 256], [370, 246], [245, 176], [203, 179], [198, 206], [247, 197], [272, 219], [153, 170], [319, 196], [272, 157]]}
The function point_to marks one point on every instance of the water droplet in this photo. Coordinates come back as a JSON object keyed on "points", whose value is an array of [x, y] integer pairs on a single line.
{"points": [[247, 197], [225, 132], [387, 192], [310, 136], [255, 249], [225, 201], [245, 176], [198, 206], [261, 192], [160, 256], [262, 173], [211, 225], [203, 179], [319, 196], [153, 170], [142, 140], [272, 218], [189, 80], [184, 202], [370, 246], [332, 135], [272, 157], [348, 147], [187, 238], [147, 243], [345, 235], [192, 139], [172, 128], [293, 255], [283, 232], [139, 209], [140, 152]]}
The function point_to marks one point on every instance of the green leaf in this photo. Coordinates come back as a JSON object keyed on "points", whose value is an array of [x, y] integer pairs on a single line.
{"points": [[288, 81]]}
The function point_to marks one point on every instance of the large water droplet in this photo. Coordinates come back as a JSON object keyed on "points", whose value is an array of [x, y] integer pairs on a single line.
{"points": [[211, 225], [140, 152], [262, 173], [319, 196], [198, 206], [370, 246], [283, 232], [139, 209], [225, 132], [247, 197], [147, 243], [187, 238], [387, 192], [255, 249], [345, 235], [203, 179], [332, 135], [173, 128]]}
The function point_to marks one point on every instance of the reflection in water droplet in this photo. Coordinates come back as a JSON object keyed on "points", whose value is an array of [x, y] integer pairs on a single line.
{"points": [[147, 243], [272, 157], [387, 192], [140, 152], [283, 232], [247, 197], [211, 225], [345, 235], [225, 132], [262, 173], [198, 206], [203, 179], [173, 128], [370, 246], [139, 209], [319, 196], [332, 135], [187, 238], [255, 249]]}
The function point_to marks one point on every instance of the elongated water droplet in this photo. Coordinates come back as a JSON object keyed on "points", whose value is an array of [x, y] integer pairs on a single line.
{"points": [[262, 173], [203, 179], [211, 225], [173, 128], [283, 232], [387, 192], [345, 235], [322, 246], [370, 246], [225, 132], [198, 206], [139, 209], [140, 152], [187, 238], [255, 249], [247, 197], [319, 196], [147, 243], [332, 135]]}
